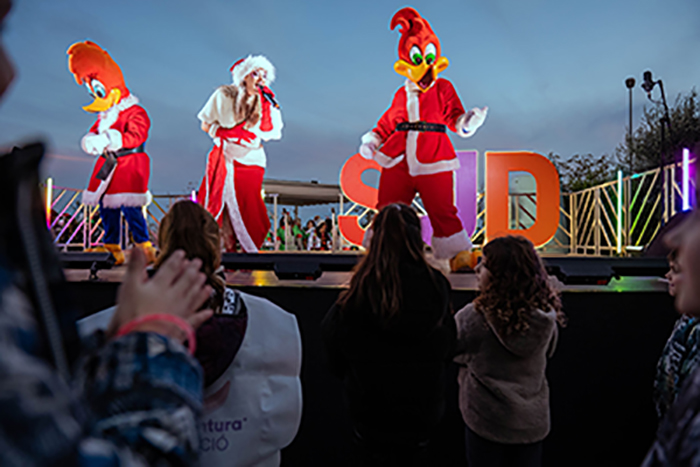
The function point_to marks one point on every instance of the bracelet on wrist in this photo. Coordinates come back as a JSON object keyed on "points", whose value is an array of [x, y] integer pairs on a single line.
{"points": [[176, 320]]}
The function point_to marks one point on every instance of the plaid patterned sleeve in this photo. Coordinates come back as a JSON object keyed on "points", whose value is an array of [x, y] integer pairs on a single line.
{"points": [[135, 400], [678, 439]]}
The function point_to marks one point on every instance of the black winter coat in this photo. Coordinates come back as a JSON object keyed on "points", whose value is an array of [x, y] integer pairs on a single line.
{"points": [[394, 372]]}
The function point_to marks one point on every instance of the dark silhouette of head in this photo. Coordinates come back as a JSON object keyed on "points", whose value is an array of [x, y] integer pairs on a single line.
{"points": [[396, 242]]}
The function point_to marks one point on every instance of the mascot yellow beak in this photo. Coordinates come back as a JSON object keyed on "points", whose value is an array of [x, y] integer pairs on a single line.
{"points": [[423, 75], [100, 104]]}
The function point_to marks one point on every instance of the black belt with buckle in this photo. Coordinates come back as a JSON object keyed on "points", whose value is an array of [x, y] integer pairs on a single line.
{"points": [[421, 126], [125, 152], [110, 158]]}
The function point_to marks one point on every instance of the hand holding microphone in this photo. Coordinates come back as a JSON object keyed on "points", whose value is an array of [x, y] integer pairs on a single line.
{"points": [[265, 91]]}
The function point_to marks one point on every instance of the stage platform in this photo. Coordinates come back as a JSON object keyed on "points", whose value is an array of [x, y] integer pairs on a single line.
{"points": [[340, 280], [600, 377]]}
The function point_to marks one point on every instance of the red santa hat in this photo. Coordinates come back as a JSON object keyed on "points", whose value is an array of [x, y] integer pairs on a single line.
{"points": [[245, 66]]}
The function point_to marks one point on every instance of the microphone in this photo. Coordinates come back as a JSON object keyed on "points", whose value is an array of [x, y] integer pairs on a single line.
{"points": [[268, 95]]}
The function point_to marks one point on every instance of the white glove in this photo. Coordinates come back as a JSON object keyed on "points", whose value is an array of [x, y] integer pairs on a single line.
{"points": [[473, 120], [94, 144], [367, 150]]}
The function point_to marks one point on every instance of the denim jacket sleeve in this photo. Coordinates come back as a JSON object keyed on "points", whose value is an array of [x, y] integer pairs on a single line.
{"points": [[133, 401]]}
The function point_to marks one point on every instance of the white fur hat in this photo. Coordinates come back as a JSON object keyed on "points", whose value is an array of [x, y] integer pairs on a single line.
{"points": [[244, 66]]}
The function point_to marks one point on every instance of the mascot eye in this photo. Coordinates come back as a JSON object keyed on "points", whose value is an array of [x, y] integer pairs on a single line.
{"points": [[430, 53], [98, 88], [416, 56], [89, 89]]}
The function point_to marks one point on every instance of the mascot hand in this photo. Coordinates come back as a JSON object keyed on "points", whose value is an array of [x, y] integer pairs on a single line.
{"points": [[473, 120], [367, 150], [94, 144]]}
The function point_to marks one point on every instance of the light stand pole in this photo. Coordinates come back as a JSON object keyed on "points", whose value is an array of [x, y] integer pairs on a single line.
{"points": [[629, 82], [648, 86]]}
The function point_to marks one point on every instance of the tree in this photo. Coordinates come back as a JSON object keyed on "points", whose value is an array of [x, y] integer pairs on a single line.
{"points": [[646, 141], [583, 171]]}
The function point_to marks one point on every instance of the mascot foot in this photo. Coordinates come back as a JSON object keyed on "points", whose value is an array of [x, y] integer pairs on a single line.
{"points": [[97, 249], [116, 251], [149, 250], [464, 261]]}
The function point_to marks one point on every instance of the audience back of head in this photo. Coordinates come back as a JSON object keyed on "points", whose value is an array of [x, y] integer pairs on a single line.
{"points": [[189, 227]]}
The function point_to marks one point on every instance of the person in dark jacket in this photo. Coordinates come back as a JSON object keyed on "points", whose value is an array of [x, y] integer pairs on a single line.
{"points": [[390, 337], [681, 354], [678, 438]]}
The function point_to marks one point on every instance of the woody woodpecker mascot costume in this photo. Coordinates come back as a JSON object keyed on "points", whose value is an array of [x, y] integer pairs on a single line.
{"points": [[239, 117], [119, 180], [410, 141]]}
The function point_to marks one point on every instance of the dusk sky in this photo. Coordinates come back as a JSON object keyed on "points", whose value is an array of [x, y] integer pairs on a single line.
{"points": [[552, 72]]}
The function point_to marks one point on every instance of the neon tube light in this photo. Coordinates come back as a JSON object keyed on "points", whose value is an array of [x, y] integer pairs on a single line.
{"points": [[686, 179], [49, 200], [193, 196], [619, 211]]}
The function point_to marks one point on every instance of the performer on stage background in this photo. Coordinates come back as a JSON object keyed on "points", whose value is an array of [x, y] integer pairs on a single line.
{"points": [[410, 142], [119, 181], [239, 117]]}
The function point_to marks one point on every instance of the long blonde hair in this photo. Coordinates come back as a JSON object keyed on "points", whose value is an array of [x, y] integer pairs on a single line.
{"points": [[246, 107], [189, 227]]}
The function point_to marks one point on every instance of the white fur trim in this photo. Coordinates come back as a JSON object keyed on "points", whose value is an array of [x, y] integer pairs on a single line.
{"points": [[244, 154], [234, 211], [250, 63], [115, 139], [386, 161], [416, 167], [371, 137], [448, 247], [92, 198], [212, 131], [108, 117], [118, 200], [218, 110]]}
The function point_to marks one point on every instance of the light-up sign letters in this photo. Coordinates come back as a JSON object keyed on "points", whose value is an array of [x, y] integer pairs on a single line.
{"points": [[498, 167]]}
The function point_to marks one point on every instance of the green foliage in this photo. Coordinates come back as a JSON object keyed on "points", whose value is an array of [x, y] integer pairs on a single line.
{"points": [[646, 141], [583, 171]]}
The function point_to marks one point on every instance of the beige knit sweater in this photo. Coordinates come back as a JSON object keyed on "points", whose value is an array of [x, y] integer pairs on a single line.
{"points": [[504, 396]]}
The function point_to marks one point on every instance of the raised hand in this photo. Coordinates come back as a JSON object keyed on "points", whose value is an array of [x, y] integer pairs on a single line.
{"points": [[177, 289]]}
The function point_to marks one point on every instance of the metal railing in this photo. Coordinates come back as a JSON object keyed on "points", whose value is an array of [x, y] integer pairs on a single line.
{"points": [[78, 227], [607, 222], [614, 218]]}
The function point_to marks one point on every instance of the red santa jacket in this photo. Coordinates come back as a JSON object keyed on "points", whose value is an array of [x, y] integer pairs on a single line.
{"points": [[127, 184], [426, 152]]}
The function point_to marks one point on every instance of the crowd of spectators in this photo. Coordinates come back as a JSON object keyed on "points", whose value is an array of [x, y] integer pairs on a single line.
{"points": [[291, 235]]}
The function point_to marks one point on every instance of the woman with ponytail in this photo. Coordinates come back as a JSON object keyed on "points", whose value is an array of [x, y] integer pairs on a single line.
{"points": [[389, 337]]}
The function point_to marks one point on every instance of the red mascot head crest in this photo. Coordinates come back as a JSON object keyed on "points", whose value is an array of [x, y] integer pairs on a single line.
{"points": [[93, 67]]}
